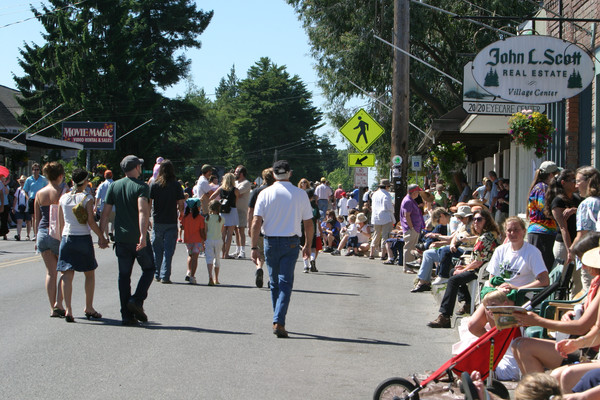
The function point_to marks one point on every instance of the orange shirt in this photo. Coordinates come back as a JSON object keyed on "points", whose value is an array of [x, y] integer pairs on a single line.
{"points": [[192, 228]]}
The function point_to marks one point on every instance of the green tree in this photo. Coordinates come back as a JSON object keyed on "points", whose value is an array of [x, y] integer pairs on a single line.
{"points": [[343, 44], [273, 118], [109, 58]]}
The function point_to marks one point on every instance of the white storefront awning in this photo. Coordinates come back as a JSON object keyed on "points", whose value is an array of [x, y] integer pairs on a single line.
{"points": [[485, 124]]}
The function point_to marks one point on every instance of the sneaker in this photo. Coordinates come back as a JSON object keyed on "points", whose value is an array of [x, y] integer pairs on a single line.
{"points": [[17, 238], [166, 281], [439, 281], [336, 252], [234, 255], [259, 278], [328, 250], [313, 266], [306, 270], [192, 280], [242, 254], [187, 278], [111, 236]]}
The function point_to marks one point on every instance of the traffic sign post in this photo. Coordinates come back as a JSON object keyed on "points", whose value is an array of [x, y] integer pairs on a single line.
{"points": [[361, 130], [361, 159]]}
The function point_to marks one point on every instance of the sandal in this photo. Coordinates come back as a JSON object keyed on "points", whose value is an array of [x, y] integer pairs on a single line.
{"points": [[388, 262], [58, 313], [95, 315]]}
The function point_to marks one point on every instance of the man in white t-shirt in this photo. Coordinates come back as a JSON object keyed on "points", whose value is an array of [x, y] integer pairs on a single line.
{"points": [[278, 213], [324, 193], [244, 186], [202, 190]]}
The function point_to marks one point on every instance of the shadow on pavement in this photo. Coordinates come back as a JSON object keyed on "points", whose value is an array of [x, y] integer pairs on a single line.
{"points": [[156, 326], [318, 292], [343, 274], [344, 340]]}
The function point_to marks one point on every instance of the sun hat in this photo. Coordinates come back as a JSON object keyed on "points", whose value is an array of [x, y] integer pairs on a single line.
{"points": [[384, 183], [464, 211], [361, 217], [426, 196]]}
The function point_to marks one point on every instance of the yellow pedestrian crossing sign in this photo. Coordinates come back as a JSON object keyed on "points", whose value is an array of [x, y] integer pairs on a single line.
{"points": [[361, 130], [361, 159]]}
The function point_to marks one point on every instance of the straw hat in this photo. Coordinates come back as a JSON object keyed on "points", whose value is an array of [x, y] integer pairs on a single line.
{"points": [[591, 258], [427, 197]]}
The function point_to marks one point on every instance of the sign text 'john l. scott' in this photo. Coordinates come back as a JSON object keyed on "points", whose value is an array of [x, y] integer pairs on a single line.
{"points": [[533, 69]]}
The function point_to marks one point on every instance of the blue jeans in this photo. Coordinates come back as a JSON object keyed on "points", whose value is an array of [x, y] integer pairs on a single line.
{"points": [[164, 240], [446, 256], [323, 204], [126, 256], [430, 257], [281, 254]]}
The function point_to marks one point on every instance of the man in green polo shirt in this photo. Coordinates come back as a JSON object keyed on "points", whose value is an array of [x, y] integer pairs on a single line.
{"points": [[130, 196]]}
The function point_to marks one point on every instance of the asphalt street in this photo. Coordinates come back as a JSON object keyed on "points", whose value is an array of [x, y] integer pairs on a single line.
{"points": [[352, 325]]}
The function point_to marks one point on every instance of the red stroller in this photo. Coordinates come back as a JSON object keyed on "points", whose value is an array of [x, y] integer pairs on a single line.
{"points": [[483, 355]]}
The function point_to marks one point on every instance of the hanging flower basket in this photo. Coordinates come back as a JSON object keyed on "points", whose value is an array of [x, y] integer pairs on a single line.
{"points": [[531, 129]]}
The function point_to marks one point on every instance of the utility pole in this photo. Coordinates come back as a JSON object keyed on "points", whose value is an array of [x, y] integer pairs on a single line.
{"points": [[400, 96]]}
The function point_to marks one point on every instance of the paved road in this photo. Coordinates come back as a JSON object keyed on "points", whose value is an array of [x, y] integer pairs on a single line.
{"points": [[351, 325]]}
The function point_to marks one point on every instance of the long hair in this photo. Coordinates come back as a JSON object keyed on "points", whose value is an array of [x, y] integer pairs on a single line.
{"points": [[215, 207], [228, 182], [593, 176], [555, 189], [490, 225], [539, 177], [166, 173]]}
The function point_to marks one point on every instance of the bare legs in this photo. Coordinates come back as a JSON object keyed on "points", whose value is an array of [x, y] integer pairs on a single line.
{"points": [[535, 355], [228, 235], [67, 289], [55, 295], [192, 263]]}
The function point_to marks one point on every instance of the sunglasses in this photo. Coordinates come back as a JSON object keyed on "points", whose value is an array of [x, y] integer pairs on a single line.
{"points": [[478, 219]]}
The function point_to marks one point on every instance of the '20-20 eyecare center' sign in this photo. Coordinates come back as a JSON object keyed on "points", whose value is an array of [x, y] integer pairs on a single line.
{"points": [[93, 135], [533, 69]]}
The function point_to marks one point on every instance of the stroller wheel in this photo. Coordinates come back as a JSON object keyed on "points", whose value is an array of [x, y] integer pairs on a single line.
{"points": [[498, 389], [467, 387], [395, 389]]}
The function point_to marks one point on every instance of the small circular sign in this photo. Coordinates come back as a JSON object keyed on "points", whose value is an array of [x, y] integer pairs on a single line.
{"points": [[396, 160]]}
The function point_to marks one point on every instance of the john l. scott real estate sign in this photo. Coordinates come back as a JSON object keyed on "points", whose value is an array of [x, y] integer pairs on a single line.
{"points": [[533, 69], [93, 135]]}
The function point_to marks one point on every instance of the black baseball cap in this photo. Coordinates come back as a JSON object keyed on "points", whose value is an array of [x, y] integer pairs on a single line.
{"points": [[130, 162], [281, 167]]}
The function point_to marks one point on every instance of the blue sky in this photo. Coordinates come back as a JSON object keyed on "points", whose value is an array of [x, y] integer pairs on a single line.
{"points": [[240, 33]]}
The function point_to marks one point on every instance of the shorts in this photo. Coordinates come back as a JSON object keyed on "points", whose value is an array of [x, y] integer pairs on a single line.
{"points": [[212, 251], [193, 248], [76, 254], [242, 217], [46, 242], [24, 216], [353, 242]]}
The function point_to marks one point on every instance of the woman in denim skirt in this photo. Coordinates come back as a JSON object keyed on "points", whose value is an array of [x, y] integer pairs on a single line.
{"points": [[76, 216]]}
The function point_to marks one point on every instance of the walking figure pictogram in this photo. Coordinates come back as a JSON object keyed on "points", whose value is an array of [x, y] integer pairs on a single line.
{"points": [[364, 127]]}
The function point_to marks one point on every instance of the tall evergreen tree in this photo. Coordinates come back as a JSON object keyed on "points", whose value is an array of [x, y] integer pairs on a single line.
{"points": [[109, 57]]}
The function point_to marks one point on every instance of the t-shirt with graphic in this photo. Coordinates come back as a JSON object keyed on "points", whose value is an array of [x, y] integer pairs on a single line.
{"points": [[519, 267]]}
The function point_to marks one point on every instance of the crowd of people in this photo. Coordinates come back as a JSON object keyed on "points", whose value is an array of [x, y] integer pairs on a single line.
{"points": [[440, 240]]}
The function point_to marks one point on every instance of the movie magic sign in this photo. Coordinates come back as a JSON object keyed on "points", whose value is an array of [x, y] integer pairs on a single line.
{"points": [[92, 135], [533, 69]]}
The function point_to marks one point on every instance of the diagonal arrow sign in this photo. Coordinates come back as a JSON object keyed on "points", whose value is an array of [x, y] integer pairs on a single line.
{"points": [[359, 161]]}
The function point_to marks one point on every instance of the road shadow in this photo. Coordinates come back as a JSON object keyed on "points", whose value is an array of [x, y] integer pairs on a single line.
{"points": [[150, 325], [342, 274], [309, 336], [319, 292]]}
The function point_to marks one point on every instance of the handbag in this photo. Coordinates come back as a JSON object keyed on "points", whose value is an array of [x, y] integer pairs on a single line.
{"points": [[80, 211]]}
